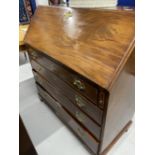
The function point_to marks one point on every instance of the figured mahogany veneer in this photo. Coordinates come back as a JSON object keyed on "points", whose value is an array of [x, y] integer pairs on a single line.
{"points": [[83, 65], [94, 43]]}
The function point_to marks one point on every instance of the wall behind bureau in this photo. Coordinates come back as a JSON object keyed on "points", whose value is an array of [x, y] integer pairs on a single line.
{"points": [[42, 2], [93, 3]]}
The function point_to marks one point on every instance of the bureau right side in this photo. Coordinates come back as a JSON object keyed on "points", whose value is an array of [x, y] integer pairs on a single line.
{"points": [[120, 105]]}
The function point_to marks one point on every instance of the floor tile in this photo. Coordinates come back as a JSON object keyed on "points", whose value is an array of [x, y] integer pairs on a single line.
{"points": [[25, 72]]}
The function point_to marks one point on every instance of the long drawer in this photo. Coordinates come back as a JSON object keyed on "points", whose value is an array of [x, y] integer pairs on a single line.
{"points": [[85, 105], [84, 136], [82, 118], [86, 88]]}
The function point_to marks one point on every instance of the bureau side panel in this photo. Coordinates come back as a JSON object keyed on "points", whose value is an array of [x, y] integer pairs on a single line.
{"points": [[121, 104]]}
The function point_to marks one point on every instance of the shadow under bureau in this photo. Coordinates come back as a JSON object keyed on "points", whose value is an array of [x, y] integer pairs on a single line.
{"points": [[84, 70]]}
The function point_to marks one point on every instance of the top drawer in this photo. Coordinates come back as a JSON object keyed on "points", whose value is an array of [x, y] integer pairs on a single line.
{"points": [[84, 87]]}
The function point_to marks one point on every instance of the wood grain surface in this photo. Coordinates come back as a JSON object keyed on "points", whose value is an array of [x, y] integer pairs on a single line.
{"points": [[121, 103], [90, 143], [54, 88], [94, 43], [90, 90]]}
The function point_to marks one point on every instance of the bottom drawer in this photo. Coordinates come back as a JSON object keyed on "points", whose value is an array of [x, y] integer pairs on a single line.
{"points": [[84, 136]]}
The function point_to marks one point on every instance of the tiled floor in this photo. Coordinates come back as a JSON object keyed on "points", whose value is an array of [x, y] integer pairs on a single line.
{"points": [[49, 135]]}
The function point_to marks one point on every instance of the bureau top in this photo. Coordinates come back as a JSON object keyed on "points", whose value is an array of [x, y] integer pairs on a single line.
{"points": [[94, 43]]}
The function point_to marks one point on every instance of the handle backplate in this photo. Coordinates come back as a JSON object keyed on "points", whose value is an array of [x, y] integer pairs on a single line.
{"points": [[80, 85]]}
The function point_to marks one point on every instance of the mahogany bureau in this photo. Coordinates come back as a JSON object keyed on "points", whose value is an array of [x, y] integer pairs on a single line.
{"points": [[83, 64]]}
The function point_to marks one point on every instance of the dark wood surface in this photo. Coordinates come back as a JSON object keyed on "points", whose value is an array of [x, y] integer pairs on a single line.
{"points": [[57, 93], [90, 90], [120, 108], [25, 145], [64, 115], [118, 105], [84, 105], [94, 43], [96, 48]]}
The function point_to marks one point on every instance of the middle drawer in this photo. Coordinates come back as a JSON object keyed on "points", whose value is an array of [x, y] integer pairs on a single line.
{"points": [[85, 105], [82, 118]]}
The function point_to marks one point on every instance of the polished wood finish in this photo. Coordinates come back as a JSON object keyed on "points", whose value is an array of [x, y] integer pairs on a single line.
{"points": [[121, 101], [96, 49], [82, 118], [90, 90], [83, 65], [83, 135], [84, 105]]}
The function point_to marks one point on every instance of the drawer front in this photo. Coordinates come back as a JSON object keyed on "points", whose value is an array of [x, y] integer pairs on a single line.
{"points": [[75, 112], [89, 141], [85, 105], [87, 89]]}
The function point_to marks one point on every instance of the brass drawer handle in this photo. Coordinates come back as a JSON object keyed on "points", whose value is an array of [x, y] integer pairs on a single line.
{"points": [[32, 53], [39, 69], [58, 104], [81, 133], [34, 57], [80, 116], [79, 102], [79, 84]]}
